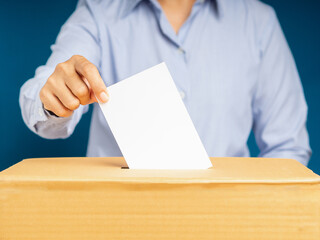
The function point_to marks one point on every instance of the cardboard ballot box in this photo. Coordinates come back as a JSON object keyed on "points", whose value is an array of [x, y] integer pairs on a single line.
{"points": [[94, 198]]}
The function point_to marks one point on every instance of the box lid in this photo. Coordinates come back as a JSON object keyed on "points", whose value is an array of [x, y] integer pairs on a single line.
{"points": [[224, 170]]}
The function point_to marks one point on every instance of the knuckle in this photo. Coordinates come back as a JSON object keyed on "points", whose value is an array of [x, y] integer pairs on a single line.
{"points": [[50, 80], [59, 66], [44, 94], [46, 106], [52, 84], [55, 82], [82, 91], [88, 68], [62, 67], [66, 114], [74, 104], [62, 112], [49, 106], [85, 102], [76, 57]]}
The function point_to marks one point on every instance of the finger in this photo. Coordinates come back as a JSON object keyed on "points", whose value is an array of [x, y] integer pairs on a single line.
{"points": [[53, 104], [91, 73], [66, 97], [92, 96], [79, 88]]}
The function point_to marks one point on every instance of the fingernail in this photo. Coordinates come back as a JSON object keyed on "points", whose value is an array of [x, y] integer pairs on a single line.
{"points": [[104, 97]]}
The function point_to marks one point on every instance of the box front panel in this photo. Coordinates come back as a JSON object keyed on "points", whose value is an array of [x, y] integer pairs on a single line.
{"points": [[93, 210]]}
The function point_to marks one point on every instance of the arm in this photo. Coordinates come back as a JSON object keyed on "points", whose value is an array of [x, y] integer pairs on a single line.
{"points": [[279, 106], [59, 86]]}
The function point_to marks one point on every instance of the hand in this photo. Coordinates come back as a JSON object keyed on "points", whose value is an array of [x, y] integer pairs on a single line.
{"points": [[74, 82]]}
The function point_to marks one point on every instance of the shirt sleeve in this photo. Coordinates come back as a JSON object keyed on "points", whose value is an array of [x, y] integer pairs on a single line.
{"points": [[279, 106], [78, 36]]}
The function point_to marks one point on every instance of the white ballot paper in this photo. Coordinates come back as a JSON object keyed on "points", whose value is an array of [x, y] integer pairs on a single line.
{"points": [[151, 124]]}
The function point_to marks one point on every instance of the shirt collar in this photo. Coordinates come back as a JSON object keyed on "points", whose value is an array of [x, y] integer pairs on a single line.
{"points": [[129, 5]]}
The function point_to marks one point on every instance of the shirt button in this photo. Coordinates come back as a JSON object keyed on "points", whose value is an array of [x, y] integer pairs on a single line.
{"points": [[182, 94], [180, 50], [40, 112]]}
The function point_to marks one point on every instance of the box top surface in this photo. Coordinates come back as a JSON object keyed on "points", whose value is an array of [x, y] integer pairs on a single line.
{"points": [[224, 170]]}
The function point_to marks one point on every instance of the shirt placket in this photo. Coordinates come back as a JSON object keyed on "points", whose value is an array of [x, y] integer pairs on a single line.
{"points": [[177, 41]]}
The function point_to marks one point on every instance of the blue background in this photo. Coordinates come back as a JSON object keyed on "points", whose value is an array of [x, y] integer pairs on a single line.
{"points": [[28, 28]]}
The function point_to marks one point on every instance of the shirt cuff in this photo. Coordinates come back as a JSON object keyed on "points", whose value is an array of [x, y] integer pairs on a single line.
{"points": [[41, 114], [38, 114]]}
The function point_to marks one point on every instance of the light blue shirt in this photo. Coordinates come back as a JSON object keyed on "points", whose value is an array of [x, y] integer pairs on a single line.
{"points": [[230, 62]]}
